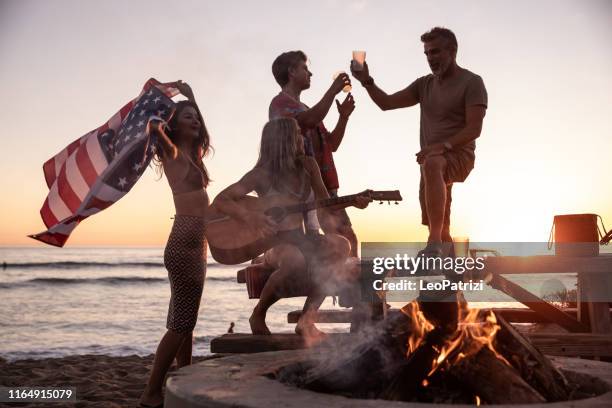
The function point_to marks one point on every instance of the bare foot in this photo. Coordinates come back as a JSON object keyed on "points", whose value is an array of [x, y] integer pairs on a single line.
{"points": [[150, 400], [258, 324], [309, 330]]}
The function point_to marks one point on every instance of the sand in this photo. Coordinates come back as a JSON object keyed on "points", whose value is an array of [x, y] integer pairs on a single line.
{"points": [[100, 380]]}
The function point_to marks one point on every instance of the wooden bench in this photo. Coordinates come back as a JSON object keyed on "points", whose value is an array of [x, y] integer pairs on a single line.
{"points": [[256, 275]]}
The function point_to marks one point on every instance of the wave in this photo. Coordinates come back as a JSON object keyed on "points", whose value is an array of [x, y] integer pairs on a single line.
{"points": [[108, 280], [221, 278], [77, 265]]}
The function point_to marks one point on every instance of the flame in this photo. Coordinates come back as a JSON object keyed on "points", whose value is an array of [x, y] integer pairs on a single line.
{"points": [[420, 326], [472, 334], [477, 401]]}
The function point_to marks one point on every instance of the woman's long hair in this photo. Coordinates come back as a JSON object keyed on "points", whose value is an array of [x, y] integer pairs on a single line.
{"points": [[201, 146], [279, 151]]}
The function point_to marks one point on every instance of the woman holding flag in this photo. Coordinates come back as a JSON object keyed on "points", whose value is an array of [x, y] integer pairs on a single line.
{"points": [[181, 145]]}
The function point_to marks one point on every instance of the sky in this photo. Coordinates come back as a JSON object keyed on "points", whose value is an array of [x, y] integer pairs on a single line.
{"points": [[67, 66]]}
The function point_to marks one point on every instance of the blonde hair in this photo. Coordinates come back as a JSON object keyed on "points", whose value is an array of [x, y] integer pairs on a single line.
{"points": [[278, 153]]}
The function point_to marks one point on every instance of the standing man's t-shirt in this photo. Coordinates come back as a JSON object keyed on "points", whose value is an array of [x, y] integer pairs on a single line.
{"points": [[443, 105]]}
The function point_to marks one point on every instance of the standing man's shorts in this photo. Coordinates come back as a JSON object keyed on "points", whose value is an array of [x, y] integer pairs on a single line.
{"points": [[459, 164]]}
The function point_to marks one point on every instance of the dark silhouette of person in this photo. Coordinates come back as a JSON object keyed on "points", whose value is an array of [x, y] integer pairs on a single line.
{"points": [[453, 104]]}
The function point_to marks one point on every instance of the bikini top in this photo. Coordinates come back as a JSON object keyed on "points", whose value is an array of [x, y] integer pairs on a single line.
{"points": [[193, 180], [301, 195]]}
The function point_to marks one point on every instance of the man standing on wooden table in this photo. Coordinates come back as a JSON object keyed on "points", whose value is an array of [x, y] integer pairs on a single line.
{"points": [[453, 104]]}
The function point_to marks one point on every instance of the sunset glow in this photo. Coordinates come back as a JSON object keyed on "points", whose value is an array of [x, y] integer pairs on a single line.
{"points": [[544, 148]]}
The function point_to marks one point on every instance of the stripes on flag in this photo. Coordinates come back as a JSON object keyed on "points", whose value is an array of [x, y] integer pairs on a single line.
{"points": [[83, 181]]}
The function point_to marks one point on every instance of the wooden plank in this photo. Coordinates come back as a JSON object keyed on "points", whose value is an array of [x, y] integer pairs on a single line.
{"points": [[556, 344], [249, 343], [514, 315]]}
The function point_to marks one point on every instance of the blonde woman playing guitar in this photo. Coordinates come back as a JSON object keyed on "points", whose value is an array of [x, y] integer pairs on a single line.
{"points": [[285, 176]]}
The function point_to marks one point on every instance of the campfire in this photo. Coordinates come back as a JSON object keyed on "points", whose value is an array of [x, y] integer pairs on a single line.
{"points": [[439, 352]]}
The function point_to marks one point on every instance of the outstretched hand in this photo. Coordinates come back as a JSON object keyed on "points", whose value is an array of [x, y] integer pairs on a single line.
{"points": [[347, 106], [185, 90], [362, 74]]}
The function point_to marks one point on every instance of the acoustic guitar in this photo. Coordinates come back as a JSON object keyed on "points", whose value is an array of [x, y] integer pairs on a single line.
{"points": [[232, 241]]}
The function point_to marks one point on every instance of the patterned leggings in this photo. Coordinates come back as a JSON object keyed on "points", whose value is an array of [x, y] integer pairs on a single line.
{"points": [[185, 260]]}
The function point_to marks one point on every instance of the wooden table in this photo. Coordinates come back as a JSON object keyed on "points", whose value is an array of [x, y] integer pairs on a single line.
{"points": [[594, 284], [594, 287]]}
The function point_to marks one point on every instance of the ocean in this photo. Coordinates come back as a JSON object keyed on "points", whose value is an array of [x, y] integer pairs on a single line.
{"points": [[57, 302]]}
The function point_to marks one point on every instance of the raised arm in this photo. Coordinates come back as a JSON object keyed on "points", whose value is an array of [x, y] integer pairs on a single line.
{"points": [[185, 90], [344, 111], [401, 99], [311, 117]]}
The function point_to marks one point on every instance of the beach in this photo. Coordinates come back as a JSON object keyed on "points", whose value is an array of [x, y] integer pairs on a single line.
{"points": [[100, 380], [91, 318]]}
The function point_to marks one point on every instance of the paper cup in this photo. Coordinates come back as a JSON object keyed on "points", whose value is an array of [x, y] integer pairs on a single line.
{"points": [[346, 88], [359, 59]]}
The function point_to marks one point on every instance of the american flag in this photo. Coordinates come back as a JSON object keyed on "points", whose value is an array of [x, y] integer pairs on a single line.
{"points": [[100, 167]]}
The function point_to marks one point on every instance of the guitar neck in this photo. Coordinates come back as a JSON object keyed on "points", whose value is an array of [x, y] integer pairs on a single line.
{"points": [[329, 202]]}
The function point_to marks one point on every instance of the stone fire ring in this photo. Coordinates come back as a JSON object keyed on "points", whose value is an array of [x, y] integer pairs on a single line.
{"points": [[240, 381]]}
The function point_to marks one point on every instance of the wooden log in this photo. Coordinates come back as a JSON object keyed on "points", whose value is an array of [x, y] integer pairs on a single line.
{"points": [[408, 377], [553, 344], [493, 381], [367, 360], [248, 343], [531, 363]]}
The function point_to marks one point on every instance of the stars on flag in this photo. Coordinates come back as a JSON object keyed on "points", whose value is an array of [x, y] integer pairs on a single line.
{"points": [[131, 147]]}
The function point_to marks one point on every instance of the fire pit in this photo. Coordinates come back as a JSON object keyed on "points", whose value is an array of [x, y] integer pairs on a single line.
{"points": [[433, 352], [250, 380]]}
